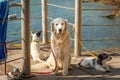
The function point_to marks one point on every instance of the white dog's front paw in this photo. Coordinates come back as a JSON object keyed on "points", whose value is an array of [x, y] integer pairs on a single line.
{"points": [[52, 68], [42, 57], [39, 60], [102, 69], [108, 69]]}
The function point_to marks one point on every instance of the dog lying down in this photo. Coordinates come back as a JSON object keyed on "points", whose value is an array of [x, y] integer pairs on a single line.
{"points": [[35, 47], [98, 63]]}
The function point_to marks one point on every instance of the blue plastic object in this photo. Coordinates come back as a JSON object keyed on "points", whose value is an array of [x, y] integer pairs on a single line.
{"points": [[4, 9]]}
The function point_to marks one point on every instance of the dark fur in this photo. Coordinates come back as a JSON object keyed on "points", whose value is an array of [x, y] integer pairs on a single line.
{"points": [[102, 57], [38, 33]]}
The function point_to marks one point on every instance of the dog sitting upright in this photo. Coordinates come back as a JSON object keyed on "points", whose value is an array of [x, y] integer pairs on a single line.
{"points": [[98, 63], [35, 47]]}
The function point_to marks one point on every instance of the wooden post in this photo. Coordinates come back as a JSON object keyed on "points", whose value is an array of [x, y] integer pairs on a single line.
{"points": [[25, 23], [44, 21], [78, 27]]}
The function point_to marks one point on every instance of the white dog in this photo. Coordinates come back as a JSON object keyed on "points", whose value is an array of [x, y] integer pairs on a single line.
{"points": [[35, 47], [98, 63], [61, 45]]}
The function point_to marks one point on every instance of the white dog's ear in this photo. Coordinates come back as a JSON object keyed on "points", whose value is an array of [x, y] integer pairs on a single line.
{"points": [[52, 25], [66, 24], [32, 33]]}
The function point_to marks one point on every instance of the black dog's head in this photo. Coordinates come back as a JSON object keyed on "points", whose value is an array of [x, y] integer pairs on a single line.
{"points": [[35, 36], [103, 58], [38, 33]]}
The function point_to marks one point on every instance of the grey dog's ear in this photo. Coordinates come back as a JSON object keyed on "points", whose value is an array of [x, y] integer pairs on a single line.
{"points": [[38, 33], [52, 25]]}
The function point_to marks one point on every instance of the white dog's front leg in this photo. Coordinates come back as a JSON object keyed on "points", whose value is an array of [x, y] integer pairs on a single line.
{"points": [[100, 68], [65, 65], [107, 68]]}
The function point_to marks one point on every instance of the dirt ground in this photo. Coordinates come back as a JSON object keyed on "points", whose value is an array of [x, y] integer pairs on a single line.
{"points": [[15, 60]]}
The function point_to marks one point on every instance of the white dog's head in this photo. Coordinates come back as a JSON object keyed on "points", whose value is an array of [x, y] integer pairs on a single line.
{"points": [[35, 36], [59, 25], [103, 58]]}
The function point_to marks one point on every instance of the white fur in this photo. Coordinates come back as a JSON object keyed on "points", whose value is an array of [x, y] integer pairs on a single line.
{"points": [[35, 49], [61, 45], [88, 63]]}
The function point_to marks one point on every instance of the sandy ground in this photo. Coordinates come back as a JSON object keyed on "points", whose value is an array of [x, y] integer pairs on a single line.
{"points": [[74, 73]]}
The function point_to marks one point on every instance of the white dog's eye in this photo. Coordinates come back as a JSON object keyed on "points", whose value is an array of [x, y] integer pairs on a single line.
{"points": [[62, 23], [56, 24]]}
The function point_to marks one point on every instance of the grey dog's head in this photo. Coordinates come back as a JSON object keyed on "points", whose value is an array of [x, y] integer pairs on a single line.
{"points": [[103, 58]]}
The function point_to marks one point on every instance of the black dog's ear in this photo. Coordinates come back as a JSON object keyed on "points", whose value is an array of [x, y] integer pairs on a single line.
{"points": [[103, 56], [99, 61], [38, 33], [100, 58]]}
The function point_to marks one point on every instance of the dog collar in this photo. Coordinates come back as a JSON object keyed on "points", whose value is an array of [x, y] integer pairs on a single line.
{"points": [[35, 41]]}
